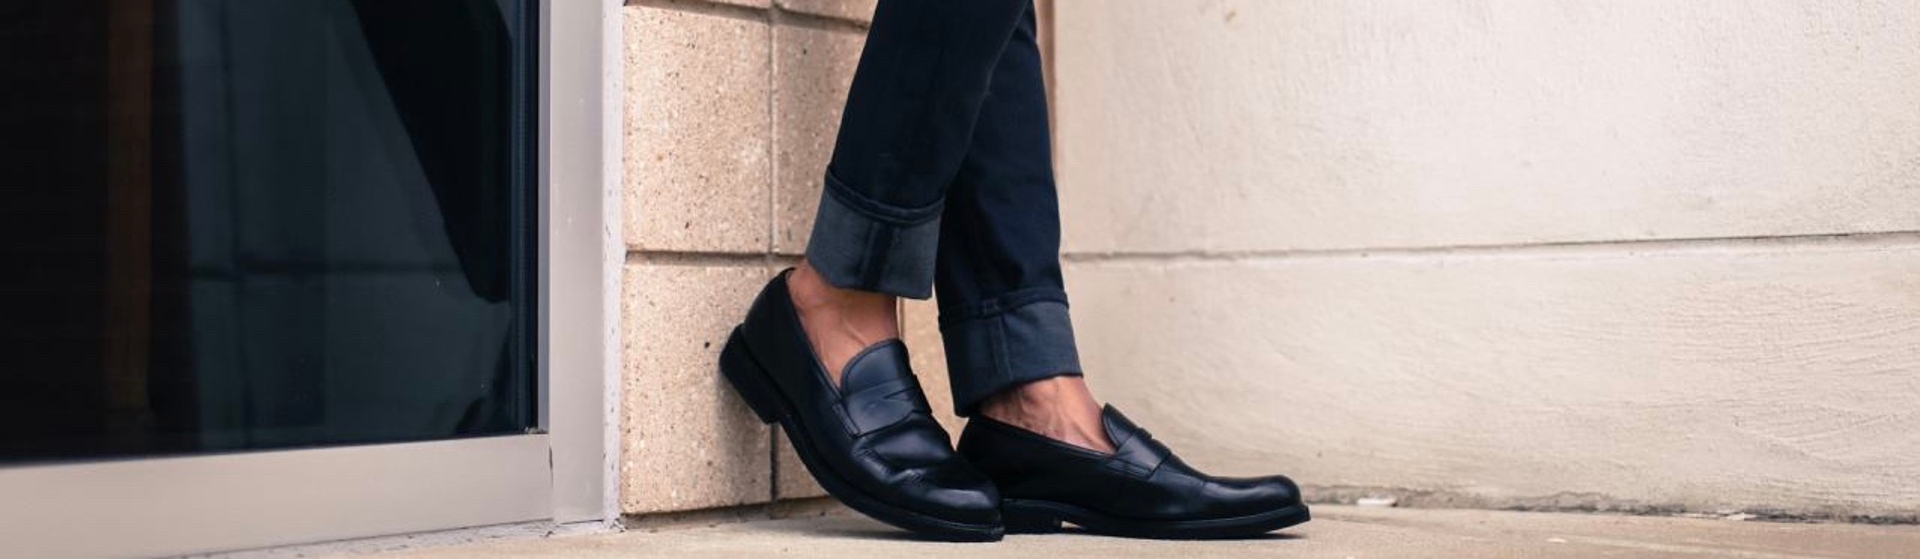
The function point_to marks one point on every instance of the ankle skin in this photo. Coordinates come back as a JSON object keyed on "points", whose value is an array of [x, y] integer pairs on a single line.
{"points": [[840, 322], [1059, 408]]}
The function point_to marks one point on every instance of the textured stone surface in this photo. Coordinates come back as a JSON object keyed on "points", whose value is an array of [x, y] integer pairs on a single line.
{"points": [[812, 70], [1763, 376], [1336, 533], [860, 11], [793, 480], [1241, 126], [1268, 199], [688, 442], [697, 132]]}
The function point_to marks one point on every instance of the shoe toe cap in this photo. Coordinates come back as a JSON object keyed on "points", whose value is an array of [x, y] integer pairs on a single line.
{"points": [[1257, 495], [959, 496]]}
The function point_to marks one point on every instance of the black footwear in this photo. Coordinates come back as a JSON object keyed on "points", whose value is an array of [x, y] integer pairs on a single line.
{"points": [[1141, 490], [871, 443]]}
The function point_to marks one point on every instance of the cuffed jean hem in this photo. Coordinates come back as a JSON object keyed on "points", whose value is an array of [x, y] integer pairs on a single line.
{"points": [[859, 243], [994, 348]]}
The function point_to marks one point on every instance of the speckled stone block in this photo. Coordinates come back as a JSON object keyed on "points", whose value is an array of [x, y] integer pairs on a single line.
{"points": [[698, 132], [793, 481], [688, 442], [812, 71]]}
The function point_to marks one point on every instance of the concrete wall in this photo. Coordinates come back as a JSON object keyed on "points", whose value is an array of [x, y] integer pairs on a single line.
{"points": [[1631, 254]]}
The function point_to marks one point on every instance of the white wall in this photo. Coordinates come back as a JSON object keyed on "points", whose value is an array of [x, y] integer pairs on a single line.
{"points": [[1624, 254]]}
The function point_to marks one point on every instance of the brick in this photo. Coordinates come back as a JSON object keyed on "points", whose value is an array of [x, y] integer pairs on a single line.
{"points": [[688, 442], [813, 70], [697, 132], [794, 480]]}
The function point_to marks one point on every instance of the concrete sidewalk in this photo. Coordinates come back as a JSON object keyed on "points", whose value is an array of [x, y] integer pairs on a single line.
{"points": [[1336, 532]]}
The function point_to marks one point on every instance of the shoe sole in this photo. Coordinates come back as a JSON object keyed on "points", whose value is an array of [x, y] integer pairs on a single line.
{"points": [[756, 387], [1023, 516]]}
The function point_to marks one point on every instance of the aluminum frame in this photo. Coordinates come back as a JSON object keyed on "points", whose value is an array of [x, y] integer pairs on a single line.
{"points": [[580, 170], [173, 506]]}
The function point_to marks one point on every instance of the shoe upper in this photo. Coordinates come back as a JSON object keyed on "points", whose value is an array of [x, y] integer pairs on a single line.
{"points": [[876, 430], [1141, 480]]}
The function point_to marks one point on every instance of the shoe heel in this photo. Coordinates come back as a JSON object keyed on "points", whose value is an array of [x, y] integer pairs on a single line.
{"points": [[749, 379], [1022, 518]]}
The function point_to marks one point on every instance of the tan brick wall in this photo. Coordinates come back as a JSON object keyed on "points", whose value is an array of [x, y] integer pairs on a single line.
{"points": [[731, 110]]}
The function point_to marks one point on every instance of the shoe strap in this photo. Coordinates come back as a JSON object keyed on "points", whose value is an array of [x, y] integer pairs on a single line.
{"points": [[880, 405], [1135, 452]]}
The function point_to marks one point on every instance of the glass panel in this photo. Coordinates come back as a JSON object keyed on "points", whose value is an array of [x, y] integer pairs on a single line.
{"points": [[247, 224]]}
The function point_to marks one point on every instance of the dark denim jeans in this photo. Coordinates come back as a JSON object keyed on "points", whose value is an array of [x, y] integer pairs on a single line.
{"points": [[942, 176]]}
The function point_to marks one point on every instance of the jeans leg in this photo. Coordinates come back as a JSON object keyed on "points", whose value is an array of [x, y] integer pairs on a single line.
{"points": [[1003, 305], [908, 123]]}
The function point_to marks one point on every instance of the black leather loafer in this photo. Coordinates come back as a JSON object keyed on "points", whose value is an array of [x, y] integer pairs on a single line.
{"points": [[872, 442], [1141, 490]]}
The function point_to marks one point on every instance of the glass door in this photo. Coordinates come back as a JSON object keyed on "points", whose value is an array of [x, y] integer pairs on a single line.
{"points": [[250, 225], [264, 254]]}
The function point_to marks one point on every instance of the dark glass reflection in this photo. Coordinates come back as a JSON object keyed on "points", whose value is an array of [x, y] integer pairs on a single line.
{"points": [[252, 224]]}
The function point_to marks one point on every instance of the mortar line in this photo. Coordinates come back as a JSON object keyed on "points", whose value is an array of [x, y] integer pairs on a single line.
{"points": [[819, 22], [717, 259], [715, 9], [775, 16], [1629, 247], [755, 14]]}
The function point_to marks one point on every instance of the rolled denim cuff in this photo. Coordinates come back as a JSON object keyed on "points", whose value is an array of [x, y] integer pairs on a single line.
{"points": [[1014, 340], [859, 243]]}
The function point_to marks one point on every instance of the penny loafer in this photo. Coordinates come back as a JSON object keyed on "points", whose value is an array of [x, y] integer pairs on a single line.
{"points": [[872, 442], [1141, 490]]}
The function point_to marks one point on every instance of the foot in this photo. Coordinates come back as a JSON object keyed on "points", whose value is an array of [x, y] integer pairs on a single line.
{"points": [[1140, 489], [1059, 408], [840, 323], [868, 435]]}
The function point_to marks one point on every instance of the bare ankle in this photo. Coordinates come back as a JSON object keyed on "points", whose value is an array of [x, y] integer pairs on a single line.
{"points": [[1059, 408], [840, 322]]}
